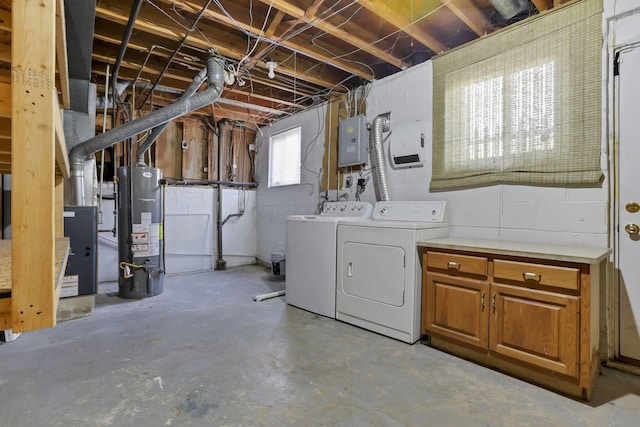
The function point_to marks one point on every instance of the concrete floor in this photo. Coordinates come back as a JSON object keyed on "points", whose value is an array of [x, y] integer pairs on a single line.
{"points": [[205, 354]]}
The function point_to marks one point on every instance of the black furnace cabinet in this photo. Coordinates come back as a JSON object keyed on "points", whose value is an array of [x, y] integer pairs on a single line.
{"points": [[81, 227]]}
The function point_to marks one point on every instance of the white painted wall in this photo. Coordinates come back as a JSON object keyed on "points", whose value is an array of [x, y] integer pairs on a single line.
{"points": [[190, 232], [239, 236], [276, 204], [504, 212], [189, 229], [572, 216]]}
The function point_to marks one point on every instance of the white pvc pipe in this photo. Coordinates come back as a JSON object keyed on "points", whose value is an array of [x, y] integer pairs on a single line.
{"points": [[268, 296]]}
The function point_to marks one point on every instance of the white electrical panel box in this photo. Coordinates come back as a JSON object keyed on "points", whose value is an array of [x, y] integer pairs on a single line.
{"points": [[353, 141]]}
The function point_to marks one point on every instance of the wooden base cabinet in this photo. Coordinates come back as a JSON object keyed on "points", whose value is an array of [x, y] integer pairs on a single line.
{"points": [[527, 315]]}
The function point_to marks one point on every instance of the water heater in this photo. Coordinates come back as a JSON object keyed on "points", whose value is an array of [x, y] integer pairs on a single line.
{"points": [[140, 232]]}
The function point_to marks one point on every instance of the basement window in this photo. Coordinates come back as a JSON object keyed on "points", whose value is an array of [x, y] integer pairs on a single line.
{"points": [[500, 118], [522, 106], [284, 157]]}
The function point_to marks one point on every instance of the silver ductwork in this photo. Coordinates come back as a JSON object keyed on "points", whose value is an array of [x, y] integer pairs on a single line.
{"points": [[155, 133], [108, 100], [509, 8], [382, 123], [77, 155]]}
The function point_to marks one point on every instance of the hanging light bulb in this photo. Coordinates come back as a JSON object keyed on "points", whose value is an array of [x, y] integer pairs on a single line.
{"points": [[271, 66]]}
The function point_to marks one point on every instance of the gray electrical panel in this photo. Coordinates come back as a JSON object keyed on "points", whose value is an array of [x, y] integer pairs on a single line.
{"points": [[353, 141]]}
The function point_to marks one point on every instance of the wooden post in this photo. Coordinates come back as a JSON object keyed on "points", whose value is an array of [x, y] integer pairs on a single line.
{"points": [[33, 141]]}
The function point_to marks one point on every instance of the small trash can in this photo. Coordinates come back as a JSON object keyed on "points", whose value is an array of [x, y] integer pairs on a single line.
{"points": [[278, 263]]}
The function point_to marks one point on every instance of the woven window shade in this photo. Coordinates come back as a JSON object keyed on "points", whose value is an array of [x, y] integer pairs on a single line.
{"points": [[522, 106]]}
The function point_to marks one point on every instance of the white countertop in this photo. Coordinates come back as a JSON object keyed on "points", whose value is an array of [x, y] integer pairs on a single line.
{"points": [[538, 250]]}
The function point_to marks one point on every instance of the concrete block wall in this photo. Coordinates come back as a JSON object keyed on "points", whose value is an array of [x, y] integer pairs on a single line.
{"points": [[575, 216], [572, 216], [277, 203], [239, 234]]}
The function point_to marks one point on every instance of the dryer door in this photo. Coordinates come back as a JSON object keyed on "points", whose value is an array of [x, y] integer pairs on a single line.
{"points": [[374, 272]]}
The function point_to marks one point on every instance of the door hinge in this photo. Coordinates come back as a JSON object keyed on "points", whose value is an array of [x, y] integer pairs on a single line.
{"points": [[616, 64]]}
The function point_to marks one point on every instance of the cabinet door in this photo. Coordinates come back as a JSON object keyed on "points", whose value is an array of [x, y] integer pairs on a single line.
{"points": [[457, 308], [537, 327]]}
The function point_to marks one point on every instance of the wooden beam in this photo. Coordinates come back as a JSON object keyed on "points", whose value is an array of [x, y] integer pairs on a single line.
{"points": [[59, 207], [542, 5], [5, 128], [62, 158], [469, 13], [398, 20], [5, 313], [5, 76], [273, 26], [305, 49], [200, 43], [5, 53], [5, 20], [61, 54], [32, 168], [365, 45], [5, 100]]}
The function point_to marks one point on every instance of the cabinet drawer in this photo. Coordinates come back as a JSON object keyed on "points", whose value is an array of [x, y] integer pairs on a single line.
{"points": [[547, 275], [458, 263]]}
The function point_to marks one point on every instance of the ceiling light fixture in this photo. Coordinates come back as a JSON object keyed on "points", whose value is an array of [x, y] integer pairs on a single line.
{"points": [[271, 66]]}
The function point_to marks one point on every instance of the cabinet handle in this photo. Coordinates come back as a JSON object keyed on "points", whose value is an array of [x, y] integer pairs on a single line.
{"points": [[349, 268], [454, 265], [482, 300], [493, 302], [532, 276]]}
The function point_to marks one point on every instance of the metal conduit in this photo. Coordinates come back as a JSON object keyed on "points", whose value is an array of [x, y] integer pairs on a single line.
{"points": [[380, 124], [175, 52], [77, 155], [135, 11], [155, 133]]}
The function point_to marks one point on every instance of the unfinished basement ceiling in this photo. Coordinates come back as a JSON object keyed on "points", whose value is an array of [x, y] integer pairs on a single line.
{"points": [[322, 48]]}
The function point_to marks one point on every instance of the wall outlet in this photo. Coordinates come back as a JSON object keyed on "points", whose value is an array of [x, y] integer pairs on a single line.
{"points": [[252, 147]]}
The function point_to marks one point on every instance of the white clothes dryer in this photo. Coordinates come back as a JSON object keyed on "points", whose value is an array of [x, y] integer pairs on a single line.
{"points": [[378, 277], [310, 279]]}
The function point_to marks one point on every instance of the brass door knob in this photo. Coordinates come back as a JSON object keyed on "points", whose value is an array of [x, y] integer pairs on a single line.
{"points": [[632, 228], [632, 207]]}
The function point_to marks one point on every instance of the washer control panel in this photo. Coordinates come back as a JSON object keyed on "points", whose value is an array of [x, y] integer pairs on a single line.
{"points": [[410, 211], [348, 210]]}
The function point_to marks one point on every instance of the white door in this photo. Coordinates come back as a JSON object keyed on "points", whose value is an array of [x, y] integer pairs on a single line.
{"points": [[628, 203]]}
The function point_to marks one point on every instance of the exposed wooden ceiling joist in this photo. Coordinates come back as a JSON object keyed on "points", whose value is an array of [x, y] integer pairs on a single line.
{"points": [[160, 27], [268, 36], [400, 17], [542, 5], [469, 13], [322, 47], [321, 24]]}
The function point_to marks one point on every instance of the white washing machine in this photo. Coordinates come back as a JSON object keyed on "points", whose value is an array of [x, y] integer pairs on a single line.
{"points": [[310, 279], [378, 276]]}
